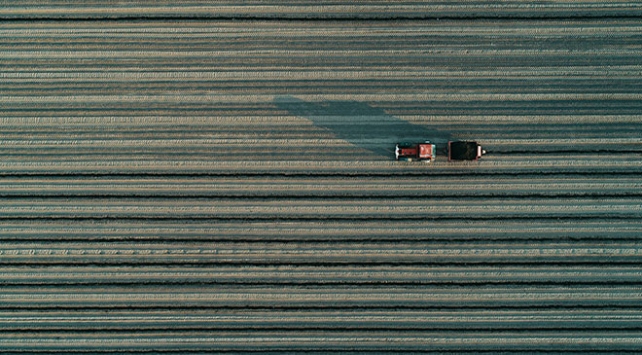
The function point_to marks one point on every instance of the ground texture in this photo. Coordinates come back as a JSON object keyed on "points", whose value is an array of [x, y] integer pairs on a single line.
{"points": [[182, 178]]}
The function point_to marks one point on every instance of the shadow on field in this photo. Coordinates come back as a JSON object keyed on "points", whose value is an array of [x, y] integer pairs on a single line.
{"points": [[362, 125]]}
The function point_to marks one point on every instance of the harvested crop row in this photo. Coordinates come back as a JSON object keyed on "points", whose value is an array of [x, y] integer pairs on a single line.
{"points": [[311, 10], [384, 275], [329, 341], [496, 297], [330, 231], [311, 209], [322, 254], [364, 187], [306, 320], [346, 166]]}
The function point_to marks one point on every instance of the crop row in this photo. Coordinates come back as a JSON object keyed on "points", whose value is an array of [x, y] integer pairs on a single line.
{"points": [[283, 187], [315, 10], [328, 231], [337, 275]]}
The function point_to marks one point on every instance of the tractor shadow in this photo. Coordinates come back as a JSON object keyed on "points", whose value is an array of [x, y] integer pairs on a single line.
{"points": [[362, 125]]}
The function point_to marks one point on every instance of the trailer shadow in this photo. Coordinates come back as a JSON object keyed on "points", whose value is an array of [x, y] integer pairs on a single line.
{"points": [[362, 125]]}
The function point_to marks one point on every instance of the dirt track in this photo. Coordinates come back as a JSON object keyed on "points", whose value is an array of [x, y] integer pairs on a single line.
{"points": [[209, 178]]}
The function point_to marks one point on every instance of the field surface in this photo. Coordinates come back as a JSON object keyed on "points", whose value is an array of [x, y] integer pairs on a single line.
{"points": [[189, 178]]}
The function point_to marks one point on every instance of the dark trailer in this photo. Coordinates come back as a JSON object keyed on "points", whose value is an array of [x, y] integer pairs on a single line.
{"points": [[463, 150]]}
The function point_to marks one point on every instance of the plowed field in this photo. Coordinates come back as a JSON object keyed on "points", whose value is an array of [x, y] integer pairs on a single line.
{"points": [[199, 178]]}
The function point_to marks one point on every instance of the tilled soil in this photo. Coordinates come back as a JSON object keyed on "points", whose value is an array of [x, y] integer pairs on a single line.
{"points": [[200, 178]]}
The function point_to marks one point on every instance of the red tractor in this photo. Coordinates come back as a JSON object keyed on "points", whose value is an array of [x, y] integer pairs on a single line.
{"points": [[422, 152], [426, 152]]}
